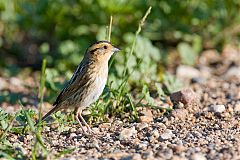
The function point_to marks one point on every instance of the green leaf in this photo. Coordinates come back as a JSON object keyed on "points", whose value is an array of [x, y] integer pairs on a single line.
{"points": [[187, 53]]}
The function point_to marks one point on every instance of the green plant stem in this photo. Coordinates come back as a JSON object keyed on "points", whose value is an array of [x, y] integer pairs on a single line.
{"points": [[109, 31], [42, 85], [110, 28], [154, 107], [141, 23], [8, 127]]}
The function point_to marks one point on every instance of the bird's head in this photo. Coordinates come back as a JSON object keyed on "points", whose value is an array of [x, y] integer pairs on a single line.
{"points": [[101, 51]]}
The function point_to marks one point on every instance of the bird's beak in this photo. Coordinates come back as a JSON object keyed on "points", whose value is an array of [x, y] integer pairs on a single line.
{"points": [[115, 49]]}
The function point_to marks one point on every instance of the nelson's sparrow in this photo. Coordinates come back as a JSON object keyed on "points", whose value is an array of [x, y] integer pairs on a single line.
{"points": [[87, 83]]}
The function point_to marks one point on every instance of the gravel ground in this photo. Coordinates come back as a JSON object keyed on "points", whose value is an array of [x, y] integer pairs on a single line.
{"points": [[205, 125]]}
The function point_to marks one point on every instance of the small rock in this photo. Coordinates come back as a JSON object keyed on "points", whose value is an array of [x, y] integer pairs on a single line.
{"points": [[127, 133], [55, 142], [180, 113], [83, 140], [185, 96], [168, 153], [199, 80], [29, 137], [233, 72], [231, 53], [198, 156], [178, 148], [187, 72], [69, 158], [161, 125], [237, 107], [166, 135], [155, 133], [72, 135], [145, 119], [142, 146], [217, 108], [117, 155], [209, 57], [95, 130], [47, 129], [72, 130], [3, 83], [15, 81], [148, 155], [136, 157], [105, 125], [147, 116], [141, 126], [175, 157]]}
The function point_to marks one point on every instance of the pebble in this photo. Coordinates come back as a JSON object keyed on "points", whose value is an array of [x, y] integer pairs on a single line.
{"points": [[233, 72], [147, 116], [217, 108], [161, 126], [142, 146], [72, 135], [3, 83], [136, 157], [198, 156], [127, 133], [178, 158], [72, 130], [209, 56], [69, 158], [237, 107], [185, 96], [187, 72], [148, 155], [145, 119], [180, 113], [141, 126], [166, 135], [105, 125], [95, 130], [168, 153], [15, 81], [29, 137], [178, 148], [155, 133]]}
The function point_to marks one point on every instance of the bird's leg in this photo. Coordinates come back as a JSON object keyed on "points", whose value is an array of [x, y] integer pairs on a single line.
{"points": [[78, 113], [85, 123]]}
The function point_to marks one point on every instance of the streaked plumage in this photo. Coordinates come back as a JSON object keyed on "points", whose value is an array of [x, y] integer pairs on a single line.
{"points": [[88, 81]]}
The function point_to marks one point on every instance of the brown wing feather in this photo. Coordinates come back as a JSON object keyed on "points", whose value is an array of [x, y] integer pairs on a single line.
{"points": [[78, 80]]}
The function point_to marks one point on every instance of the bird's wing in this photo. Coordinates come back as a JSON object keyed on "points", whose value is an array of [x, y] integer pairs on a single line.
{"points": [[77, 82]]}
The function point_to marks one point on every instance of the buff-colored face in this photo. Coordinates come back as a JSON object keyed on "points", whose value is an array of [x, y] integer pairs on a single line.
{"points": [[101, 51]]}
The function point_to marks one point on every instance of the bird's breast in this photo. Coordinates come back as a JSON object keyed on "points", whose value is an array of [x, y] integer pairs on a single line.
{"points": [[96, 85]]}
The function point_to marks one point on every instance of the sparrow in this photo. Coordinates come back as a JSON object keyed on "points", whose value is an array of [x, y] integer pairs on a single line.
{"points": [[87, 82]]}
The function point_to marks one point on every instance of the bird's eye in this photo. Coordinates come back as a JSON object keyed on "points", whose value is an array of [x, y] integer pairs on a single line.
{"points": [[105, 47]]}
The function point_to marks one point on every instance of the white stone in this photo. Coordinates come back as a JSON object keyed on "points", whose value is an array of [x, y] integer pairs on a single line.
{"points": [[233, 72], [141, 126], [127, 133], [187, 72], [166, 135], [237, 107], [198, 156], [217, 108]]}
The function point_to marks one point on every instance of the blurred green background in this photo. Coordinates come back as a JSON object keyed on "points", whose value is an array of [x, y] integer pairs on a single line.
{"points": [[61, 30]]}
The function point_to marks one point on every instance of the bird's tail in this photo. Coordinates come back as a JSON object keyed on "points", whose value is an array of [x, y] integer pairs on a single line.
{"points": [[55, 108]]}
